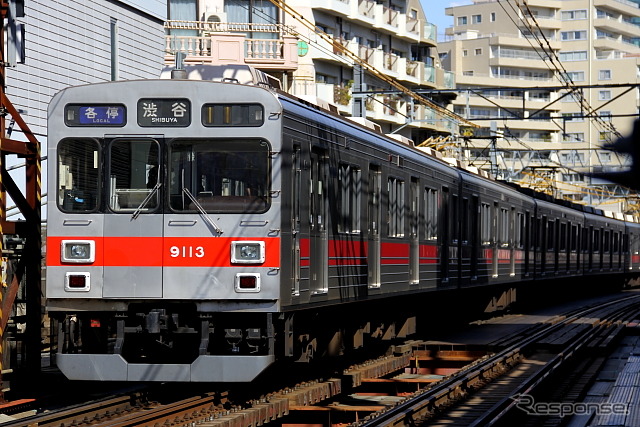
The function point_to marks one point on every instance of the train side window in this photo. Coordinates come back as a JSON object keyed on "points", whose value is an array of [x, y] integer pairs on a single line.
{"points": [[503, 227], [596, 240], [431, 214], [519, 231], [485, 225], [79, 175], [396, 211], [606, 242], [350, 192], [563, 237], [551, 235]]}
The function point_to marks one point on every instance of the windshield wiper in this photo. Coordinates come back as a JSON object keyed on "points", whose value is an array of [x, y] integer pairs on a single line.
{"points": [[146, 200], [204, 213]]}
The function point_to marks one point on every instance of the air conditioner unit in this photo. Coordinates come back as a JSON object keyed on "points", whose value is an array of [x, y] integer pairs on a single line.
{"points": [[214, 22], [214, 17]]}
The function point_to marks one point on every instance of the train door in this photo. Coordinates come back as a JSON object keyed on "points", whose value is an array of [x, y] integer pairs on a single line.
{"points": [[496, 239], [528, 242], [373, 254], [133, 229], [414, 256], [444, 235], [474, 235], [514, 231], [296, 191], [319, 257], [542, 232]]}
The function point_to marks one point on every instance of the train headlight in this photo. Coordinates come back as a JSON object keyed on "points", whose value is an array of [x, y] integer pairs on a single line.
{"points": [[78, 251], [245, 252]]}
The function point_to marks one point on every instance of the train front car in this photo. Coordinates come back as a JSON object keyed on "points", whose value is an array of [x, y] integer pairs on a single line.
{"points": [[163, 230]]}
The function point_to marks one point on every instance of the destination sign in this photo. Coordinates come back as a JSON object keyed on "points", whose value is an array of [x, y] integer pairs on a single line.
{"points": [[95, 115], [164, 112]]}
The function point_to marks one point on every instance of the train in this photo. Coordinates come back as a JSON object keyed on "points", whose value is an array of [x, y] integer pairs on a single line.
{"points": [[202, 228]]}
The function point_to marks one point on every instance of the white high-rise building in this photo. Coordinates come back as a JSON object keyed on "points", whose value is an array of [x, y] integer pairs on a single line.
{"points": [[555, 80]]}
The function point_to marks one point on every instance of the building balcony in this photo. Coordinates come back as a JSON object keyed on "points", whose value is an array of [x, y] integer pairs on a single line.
{"points": [[337, 7], [545, 22], [621, 6], [264, 46], [430, 33], [607, 43], [616, 26], [518, 62], [365, 12], [517, 41]]}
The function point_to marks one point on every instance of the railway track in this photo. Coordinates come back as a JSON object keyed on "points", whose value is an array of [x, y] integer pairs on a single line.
{"points": [[526, 362], [480, 393]]}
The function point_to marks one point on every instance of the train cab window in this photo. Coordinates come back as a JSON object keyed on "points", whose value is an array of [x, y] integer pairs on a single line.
{"points": [[79, 175], [133, 175], [219, 175]]}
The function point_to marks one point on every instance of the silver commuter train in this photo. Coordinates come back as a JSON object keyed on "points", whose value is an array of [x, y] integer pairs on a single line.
{"points": [[203, 229]]}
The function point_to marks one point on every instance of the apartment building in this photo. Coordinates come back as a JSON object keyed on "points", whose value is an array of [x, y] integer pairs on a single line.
{"points": [[551, 78], [315, 58]]}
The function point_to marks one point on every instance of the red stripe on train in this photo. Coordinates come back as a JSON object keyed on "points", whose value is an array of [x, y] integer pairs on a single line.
{"points": [[159, 251]]}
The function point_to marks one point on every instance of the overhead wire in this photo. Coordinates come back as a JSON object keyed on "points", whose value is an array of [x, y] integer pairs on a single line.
{"points": [[370, 68]]}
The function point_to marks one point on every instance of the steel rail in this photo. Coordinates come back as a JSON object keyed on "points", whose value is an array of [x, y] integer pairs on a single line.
{"points": [[398, 414]]}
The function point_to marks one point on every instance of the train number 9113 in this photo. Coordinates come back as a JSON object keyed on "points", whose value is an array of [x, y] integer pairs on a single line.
{"points": [[187, 251]]}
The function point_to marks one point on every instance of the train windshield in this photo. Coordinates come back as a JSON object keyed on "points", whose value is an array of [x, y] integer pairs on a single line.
{"points": [[79, 175], [133, 175], [220, 175]]}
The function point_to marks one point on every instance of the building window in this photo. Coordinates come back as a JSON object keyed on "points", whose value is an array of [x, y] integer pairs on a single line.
{"points": [[604, 95], [114, 49], [184, 10], [573, 35], [465, 52], [606, 115], [476, 19], [605, 157], [493, 17], [252, 11], [573, 137], [478, 51], [573, 117], [578, 55], [605, 136], [570, 15], [462, 20], [604, 75], [575, 76]]}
